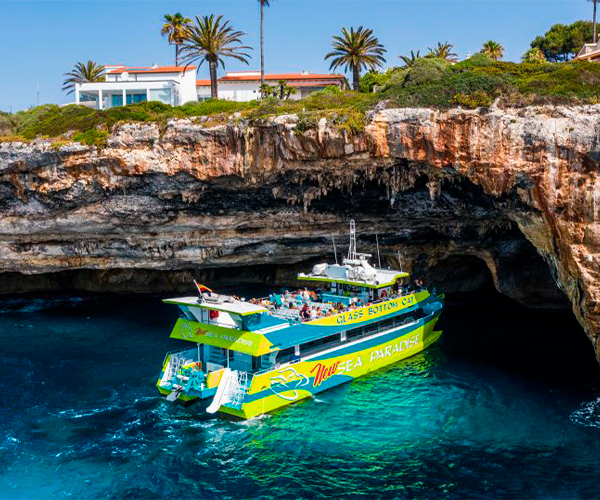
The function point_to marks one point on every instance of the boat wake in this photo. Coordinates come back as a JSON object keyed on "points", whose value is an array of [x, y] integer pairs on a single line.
{"points": [[588, 415]]}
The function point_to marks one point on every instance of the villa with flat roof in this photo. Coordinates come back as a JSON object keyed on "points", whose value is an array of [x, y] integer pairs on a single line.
{"points": [[174, 85], [245, 85]]}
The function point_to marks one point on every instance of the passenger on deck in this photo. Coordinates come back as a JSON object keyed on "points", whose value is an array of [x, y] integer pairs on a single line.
{"points": [[305, 295], [305, 313], [277, 300], [313, 313]]}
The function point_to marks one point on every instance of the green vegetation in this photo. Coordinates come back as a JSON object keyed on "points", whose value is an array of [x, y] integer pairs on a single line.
{"points": [[356, 50], [534, 55], [442, 51], [563, 41], [213, 39], [478, 81], [175, 27], [82, 73], [91, 126], [410, 60], [493, 50], [282, 90], [8, 124]]}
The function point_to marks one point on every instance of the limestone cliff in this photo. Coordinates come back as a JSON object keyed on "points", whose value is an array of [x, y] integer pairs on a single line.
{"points": [[450, 190]]}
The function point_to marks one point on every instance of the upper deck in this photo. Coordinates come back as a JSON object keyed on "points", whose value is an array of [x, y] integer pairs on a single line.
{"points": [[354, 272], [271, 328]]}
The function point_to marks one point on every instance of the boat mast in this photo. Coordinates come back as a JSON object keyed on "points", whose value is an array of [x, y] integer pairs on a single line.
{"points": [[352, 248], [334, 250], [378, 256]]}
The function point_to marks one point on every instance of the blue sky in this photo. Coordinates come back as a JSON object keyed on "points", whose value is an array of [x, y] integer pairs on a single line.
{"points": [[41, 40]]}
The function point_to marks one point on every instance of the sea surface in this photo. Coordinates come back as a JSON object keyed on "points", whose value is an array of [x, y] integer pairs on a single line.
{"points": [[506, 405]]}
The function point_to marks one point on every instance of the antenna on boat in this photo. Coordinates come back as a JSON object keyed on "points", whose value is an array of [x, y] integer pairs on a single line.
{"points": [[400, 261], [378, 256], [334, 250], [352, 248]]}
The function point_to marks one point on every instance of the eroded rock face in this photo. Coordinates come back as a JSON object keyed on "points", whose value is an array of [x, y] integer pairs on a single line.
{"points": [[499, 187]]}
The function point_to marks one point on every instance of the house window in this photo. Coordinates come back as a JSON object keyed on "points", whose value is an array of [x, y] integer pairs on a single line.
{"points": [[136, 98], [116, 100]]}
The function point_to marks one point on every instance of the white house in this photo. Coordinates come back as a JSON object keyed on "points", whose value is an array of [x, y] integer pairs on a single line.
{"points": [[174, 85], [245, 85], [589, 52]]}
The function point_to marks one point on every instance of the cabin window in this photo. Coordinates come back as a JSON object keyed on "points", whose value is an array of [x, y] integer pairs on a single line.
{"points": [[319, 343], [356, 332], [286, 355]]}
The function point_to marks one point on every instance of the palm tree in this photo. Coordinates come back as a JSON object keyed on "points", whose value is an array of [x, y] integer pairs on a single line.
{"points": [[594, 18], [175, 27], [82, 73], [356, 50], [410, 60], [493, 50], [443, 51], [211, 39], [263, 4], [533, 55]]}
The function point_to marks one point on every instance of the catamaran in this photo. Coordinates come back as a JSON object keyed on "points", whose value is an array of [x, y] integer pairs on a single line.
{"points": [[252, 357]]}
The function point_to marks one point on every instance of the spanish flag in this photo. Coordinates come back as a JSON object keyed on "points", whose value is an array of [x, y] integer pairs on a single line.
{"points": [[202, 288]]}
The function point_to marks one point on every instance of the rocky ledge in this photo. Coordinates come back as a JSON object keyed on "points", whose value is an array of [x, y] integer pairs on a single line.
{"points": [[509, 195]]}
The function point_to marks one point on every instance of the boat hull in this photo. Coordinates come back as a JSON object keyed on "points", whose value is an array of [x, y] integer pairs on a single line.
{"points": [[314, 374]]}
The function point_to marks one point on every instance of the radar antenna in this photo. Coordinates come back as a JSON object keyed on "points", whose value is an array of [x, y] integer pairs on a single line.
{"points": [[352, 248]]}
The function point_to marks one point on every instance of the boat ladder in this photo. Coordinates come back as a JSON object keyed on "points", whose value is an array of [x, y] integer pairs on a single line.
{"points": [[237, 390], [175, 365]]}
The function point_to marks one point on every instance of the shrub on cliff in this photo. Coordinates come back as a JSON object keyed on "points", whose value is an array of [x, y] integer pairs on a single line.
{"points": [[441, 93], [212, 106], [8, 124], [478, 60], [425, 71], [90, 125]]}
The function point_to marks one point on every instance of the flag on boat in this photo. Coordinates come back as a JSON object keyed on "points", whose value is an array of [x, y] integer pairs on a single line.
{"points": [[202, 288]]}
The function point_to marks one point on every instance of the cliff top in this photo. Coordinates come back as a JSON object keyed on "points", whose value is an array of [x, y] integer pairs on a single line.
{"points": [[428, 82]]}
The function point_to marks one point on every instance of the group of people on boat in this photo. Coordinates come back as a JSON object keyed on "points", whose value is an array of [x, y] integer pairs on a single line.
{"points": [[310, 304]]}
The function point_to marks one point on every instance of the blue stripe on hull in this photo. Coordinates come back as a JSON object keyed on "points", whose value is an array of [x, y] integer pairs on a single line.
{"points": [[359, 346]]}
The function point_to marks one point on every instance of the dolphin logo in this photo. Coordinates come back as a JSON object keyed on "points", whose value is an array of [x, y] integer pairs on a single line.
{"points": [[288, 380], [186, 331]]}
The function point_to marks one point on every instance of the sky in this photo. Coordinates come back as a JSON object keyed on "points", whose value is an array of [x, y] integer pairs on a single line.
{"points": [[42, 40]]}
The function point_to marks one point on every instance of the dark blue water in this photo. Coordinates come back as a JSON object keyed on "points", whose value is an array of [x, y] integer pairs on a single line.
{"points": [[505, 406]]}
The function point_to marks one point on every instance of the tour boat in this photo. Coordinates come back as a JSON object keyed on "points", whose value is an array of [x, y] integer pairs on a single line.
{"points": [[252, 357]]}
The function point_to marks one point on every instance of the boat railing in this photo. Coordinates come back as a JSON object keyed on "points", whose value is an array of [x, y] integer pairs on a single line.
{"points": [[210, 322]]}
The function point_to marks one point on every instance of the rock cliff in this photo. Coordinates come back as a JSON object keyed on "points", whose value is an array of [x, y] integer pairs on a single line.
{"points": [[458, 193]]}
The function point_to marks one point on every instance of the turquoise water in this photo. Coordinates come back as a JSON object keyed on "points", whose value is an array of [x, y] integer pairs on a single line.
{"points": [[505, 406]]}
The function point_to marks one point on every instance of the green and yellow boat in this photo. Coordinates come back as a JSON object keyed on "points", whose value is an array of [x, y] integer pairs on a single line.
{"points": [[251, 358]]}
